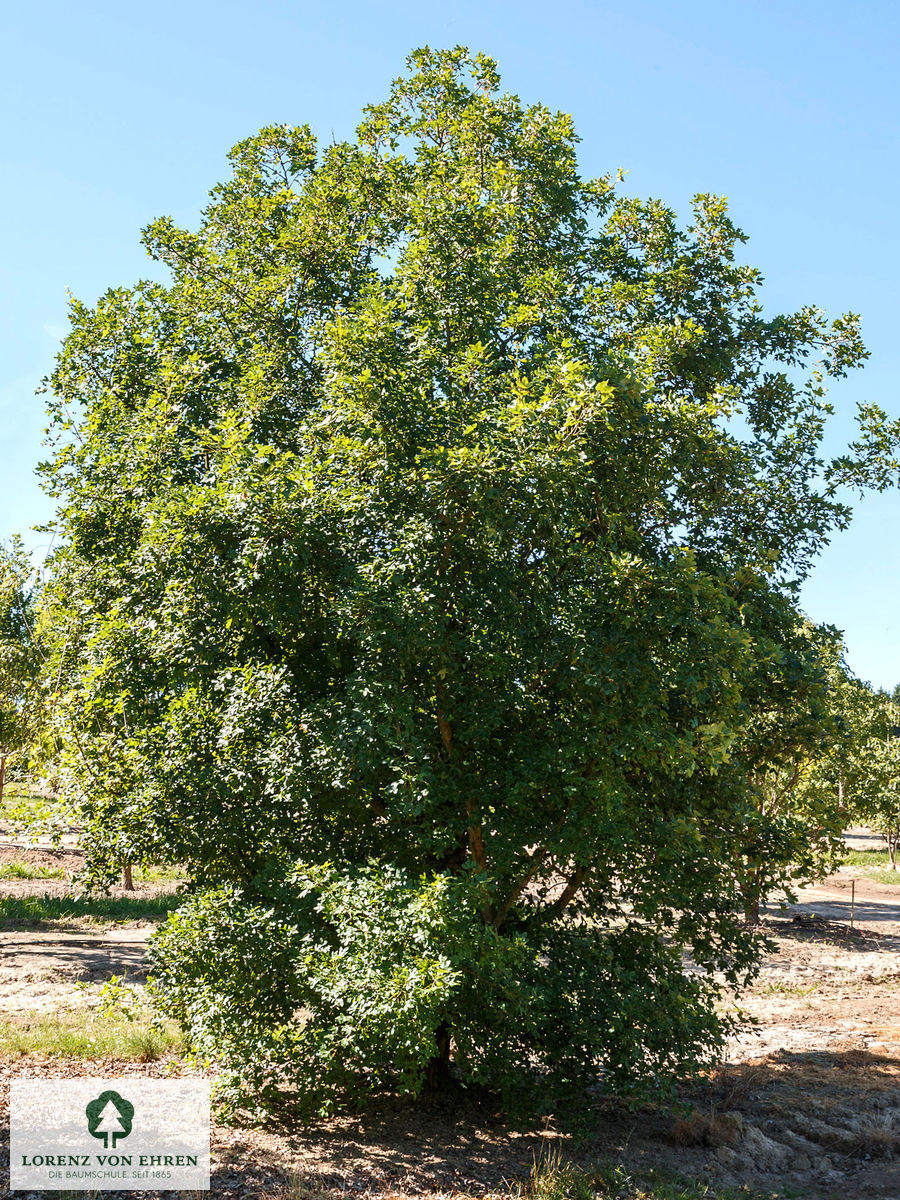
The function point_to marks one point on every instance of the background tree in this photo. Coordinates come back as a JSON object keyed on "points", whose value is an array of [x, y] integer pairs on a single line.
{"points": [[19, 657], [795, 730], [864, 766], [414, 542]]}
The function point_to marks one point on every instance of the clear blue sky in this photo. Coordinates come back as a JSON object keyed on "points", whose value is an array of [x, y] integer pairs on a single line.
{"points": [[117, 113]]}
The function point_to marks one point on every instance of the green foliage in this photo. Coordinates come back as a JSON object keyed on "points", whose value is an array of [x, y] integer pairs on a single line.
{"points": [[796, 833], [369, 965], [29, 815], [427, 553], [118, 999], [873, 768]]}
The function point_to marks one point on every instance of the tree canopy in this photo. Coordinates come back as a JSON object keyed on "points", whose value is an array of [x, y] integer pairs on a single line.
{"points": [[428, 550]]}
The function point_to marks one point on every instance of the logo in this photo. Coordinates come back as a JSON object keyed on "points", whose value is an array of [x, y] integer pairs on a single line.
{"points": [[109, 1117], [119, 1135]]}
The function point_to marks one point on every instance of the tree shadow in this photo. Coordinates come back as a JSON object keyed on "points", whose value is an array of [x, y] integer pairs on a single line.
{"points": [[835, 1112], [805, 925]]}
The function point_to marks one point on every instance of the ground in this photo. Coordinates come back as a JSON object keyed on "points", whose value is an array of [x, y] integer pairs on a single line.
{"points": [[806, 1102]]}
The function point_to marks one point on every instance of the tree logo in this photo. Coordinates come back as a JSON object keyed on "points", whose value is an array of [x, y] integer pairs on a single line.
{"points": [[109, 1116]]}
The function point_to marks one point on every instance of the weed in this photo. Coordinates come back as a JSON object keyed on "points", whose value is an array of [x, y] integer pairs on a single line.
{"points": [[735, 1085], [554, 1179], [788, 989], [875, 1137], [117, 999], [303, 1186]]}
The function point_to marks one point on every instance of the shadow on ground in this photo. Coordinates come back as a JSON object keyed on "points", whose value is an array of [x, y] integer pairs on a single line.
{"points": [[819, 1125], [824, 1123], [807, 925]]}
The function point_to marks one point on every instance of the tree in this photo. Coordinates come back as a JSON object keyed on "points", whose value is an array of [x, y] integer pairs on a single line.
{"points": [[795, 729], [864, 767], [19, 656], [415, 546]]}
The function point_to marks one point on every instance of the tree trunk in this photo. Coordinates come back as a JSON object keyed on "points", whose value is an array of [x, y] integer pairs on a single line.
{"points": [[127, 881], [750, 896], [2, 775], [437, 1073]]}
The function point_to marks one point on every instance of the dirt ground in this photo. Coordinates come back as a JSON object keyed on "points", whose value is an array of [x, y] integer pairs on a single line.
{"points": [[806, 1102], [38, 967]]}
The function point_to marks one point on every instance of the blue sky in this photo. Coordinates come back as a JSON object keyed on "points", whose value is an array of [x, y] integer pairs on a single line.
{"points": [[118, 113]]}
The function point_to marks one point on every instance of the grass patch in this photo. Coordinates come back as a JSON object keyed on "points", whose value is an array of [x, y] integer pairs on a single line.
{"points": [[28, 871], [91, 1035], [868, 859], [788, 989], [874, 864], [885, 876], [14, 793], [32, 910]]}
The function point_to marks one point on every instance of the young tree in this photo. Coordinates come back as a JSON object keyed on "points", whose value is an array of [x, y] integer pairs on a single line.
{"points": [[408, 591]]}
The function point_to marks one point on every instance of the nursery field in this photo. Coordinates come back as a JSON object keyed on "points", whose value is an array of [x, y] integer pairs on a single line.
{"points": [[806, 1102]]}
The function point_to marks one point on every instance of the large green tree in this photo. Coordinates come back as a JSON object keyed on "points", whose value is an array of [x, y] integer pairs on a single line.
{"points": [[421, 541]]}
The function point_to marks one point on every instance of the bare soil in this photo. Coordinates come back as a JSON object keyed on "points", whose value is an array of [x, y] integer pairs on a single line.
{"points": [[40, 965], [806, 1101]]}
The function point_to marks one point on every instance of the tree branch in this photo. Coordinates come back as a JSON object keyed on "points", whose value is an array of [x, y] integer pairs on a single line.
{"points": [[535, 859], [576, 879]]}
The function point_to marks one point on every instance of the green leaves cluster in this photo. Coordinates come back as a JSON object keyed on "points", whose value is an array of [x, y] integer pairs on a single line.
{"points": [[440, 514]]}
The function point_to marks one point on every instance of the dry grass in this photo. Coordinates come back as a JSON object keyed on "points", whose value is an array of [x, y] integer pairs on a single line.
{"points": [[555, 1179], [697, 1129], [732, 1086]]}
